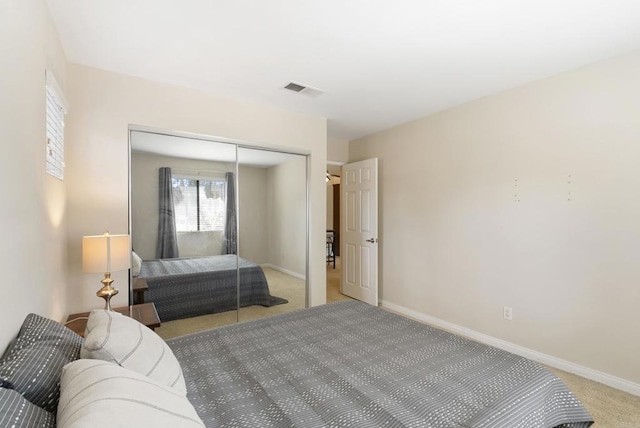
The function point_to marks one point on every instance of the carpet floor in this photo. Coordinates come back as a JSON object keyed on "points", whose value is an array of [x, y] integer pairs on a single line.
{"points": [[610, 407]]}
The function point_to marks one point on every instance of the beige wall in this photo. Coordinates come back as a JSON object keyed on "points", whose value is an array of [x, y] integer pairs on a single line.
{"points": [[253, 239], [337, 150], [105, 104], [528, 199], [287, 215], [32, 215]]}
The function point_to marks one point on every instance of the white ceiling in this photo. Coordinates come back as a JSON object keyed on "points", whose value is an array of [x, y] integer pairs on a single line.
{"points": [[380, 63]]}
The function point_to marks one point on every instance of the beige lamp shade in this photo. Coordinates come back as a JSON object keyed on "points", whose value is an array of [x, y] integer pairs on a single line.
{"points": [[105, 253]]}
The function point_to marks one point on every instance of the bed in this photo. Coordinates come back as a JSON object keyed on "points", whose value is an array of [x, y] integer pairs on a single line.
{"points": [[188, 287], [337, 365], [351, 364]]}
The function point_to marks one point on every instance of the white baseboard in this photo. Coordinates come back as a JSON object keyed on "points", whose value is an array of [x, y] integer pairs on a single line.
{"points": [[283, 270], [567, 366]]}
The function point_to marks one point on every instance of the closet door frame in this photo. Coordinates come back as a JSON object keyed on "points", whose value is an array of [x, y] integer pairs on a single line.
{"points": [[239, 144]]}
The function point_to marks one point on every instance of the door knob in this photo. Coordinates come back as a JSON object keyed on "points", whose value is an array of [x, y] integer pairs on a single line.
{"points": [[372, 240]]}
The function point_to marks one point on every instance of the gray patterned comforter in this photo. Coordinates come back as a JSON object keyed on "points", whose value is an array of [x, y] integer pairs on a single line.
{"points": [[188, 287], [351, 364]]}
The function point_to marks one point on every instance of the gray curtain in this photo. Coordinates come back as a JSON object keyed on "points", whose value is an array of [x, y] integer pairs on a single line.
{"points": [[167, 237], [229, 243]]}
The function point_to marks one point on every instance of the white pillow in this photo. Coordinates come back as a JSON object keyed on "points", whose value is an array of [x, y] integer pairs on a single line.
{"points": [[136, 264], [111, 336], [99, 394]]}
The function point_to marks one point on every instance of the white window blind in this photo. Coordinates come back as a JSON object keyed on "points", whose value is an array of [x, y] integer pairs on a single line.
{"points": [[199, 205], [56, 109]]}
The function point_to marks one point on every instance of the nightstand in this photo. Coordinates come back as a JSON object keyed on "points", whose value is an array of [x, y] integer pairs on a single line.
{"points": [[139, 288], [144, 313]]}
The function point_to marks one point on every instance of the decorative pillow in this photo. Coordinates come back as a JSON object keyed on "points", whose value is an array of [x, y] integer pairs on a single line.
{"points": [[99, 394], [111, 336], [136, 264], [33, 365], [17, 412]]}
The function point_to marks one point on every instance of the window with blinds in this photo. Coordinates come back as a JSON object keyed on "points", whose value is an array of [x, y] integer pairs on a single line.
{"points": [[199, 205], [56, 109]]}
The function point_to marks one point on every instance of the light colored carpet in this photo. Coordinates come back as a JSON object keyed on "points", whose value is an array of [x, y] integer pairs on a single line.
{"points": [[333, 283], [609, 407]]}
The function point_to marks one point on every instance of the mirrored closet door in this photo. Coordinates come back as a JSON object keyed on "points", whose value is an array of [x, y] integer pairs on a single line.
{"points": [[219, 227], [178, 210], [273, 229]]}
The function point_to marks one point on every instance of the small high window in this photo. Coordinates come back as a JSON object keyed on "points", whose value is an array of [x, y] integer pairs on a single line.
{"points": [[56, 109]]}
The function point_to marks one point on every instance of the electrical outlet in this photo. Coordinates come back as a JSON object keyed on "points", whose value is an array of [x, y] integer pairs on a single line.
{"points": [[507, 313]]}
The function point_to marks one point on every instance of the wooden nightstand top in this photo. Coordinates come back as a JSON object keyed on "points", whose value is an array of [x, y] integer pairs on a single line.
{"points": [[144, 313]]}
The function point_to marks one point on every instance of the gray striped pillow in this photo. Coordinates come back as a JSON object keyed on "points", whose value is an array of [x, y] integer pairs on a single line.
{"points": [[17, 412], [33, 365], [111, 336], [99, 394]]}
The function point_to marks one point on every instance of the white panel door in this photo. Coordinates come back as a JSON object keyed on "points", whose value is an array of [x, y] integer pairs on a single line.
{"points": [[359, 217]]}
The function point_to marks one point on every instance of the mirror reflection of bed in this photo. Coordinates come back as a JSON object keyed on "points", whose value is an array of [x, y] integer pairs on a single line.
{"points": [[200, 274]]}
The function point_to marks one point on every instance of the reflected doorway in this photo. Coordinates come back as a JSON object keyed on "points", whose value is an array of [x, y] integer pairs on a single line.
{"points": [[334, 265]]}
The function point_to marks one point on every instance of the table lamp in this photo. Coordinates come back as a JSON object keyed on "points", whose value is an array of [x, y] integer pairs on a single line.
{"points": [[106, 253]]}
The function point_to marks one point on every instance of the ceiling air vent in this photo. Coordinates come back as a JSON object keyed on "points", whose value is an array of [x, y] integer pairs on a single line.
{"points": [[305, 90], [295, 87]]}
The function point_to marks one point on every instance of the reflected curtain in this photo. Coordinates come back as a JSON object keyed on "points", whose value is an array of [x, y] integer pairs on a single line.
{"points": [[229, 243], [167, 246]]}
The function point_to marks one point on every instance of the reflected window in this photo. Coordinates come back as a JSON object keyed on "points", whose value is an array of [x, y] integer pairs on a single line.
{"points": [[199, 204]]}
